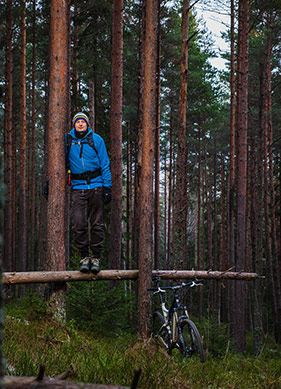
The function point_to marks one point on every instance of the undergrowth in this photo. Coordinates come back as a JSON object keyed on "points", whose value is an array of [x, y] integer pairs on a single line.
{"points": [[32, 339]]}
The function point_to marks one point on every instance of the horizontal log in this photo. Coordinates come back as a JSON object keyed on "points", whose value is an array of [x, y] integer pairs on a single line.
{"points": [[13, 382], [72, 276]]}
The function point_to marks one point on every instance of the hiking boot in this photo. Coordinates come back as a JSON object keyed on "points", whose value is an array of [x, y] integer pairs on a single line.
{"points": [[95, 265], [85, 265]]}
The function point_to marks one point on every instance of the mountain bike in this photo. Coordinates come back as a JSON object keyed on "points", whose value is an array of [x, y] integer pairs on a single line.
{"points": [[173, 328]]}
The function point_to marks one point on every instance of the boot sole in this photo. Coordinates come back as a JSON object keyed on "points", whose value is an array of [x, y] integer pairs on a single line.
{"points": [[84, 270], [95, 271]]}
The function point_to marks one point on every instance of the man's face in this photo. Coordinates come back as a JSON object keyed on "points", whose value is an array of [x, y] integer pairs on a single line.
{"points": [[80, 125]]}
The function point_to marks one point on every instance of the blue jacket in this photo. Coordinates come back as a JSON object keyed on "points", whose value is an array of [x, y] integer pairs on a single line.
{"points": [[83, 158]]}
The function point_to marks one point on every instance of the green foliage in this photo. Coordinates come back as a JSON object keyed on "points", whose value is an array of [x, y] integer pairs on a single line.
{"points": [[113, 360], [217, 342], [101, 307], [31, 307]]}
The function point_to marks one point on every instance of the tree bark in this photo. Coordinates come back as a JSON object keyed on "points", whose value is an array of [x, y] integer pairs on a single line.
{"points": [[33, 153], [180, 207], [231, 184], [58, 121], [146, 149], [22, 178], [157, 149], [269, 196], [242, 123], [92, 104], [75, 62], [138, 156], [223, 255], [8, 149], [73, 276], [169, 264], [116, 136]]}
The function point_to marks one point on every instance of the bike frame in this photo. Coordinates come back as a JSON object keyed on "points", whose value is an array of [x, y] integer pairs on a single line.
{"points": [[171, 316]]}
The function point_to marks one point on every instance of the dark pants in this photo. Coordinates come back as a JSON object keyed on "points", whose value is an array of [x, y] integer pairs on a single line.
{"points": [[87, 205]]}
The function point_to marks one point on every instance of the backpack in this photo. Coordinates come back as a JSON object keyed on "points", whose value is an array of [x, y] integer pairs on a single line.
{"points": [[86, 175], [89, 139]]}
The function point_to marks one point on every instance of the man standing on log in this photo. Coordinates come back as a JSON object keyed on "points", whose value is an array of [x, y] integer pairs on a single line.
{"points": [[89, 175]]}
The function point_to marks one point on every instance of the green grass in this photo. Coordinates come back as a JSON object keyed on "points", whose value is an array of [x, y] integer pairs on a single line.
{"points": [[32, 339]]}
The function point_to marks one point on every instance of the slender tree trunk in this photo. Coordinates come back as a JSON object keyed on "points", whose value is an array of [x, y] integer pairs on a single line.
{"points": [[33, 162], [8, 149], [75, 62], [209, 225], [179, 233], [58, 121], [256, 265], [129, 199], [242, 123], [92, 104], [136, 224], [68, 115], [223, 256], [273, 235], [157, 150], [204, 203], [214, 285], [28, 189], [116, 136], [146, 148], [42, 238], [231, 190], [170, 189], [22, 178], [129, 223], [199, 202], [165, 212]]}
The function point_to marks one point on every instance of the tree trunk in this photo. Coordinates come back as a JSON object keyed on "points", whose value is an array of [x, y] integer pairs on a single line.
{"points": [[129, 199], [92, 104], [22, 178], [116, 136], [146, 149], [231, 183], [75, 62], [58, 121], [179, 233], [223, 256], [169, 264], [138, 156], [198, 256], [242, 123], [8, 149], [33, 154], [157, 150]]}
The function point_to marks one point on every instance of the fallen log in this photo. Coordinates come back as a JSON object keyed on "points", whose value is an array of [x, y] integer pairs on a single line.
{"points": [[41, 382], [72, 276], [13, 382]]}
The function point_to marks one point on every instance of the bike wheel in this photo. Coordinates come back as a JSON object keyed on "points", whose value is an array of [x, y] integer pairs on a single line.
{"points": [[190, 342], [160, 332]]}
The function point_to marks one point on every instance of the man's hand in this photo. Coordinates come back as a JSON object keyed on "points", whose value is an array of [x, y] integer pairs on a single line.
{"points": [[107, 196]]}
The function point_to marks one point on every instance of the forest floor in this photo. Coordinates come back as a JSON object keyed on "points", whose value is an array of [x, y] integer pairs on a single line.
{"points": [[31, 339]]}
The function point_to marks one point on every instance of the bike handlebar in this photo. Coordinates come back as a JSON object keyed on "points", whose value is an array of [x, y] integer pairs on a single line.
{"points": [[176, 287]]}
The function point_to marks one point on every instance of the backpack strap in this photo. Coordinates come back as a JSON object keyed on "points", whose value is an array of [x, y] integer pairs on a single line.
{"points": [[68, 146], [69, 139], [91, 142]]}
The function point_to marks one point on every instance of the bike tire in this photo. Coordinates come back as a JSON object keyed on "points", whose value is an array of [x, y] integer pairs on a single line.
{"points": [[160, 332], [190, 342]]}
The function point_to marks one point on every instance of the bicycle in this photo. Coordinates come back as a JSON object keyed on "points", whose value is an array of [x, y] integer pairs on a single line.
{"points": [[173, 327]]}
